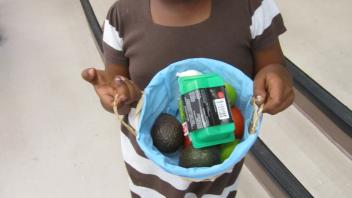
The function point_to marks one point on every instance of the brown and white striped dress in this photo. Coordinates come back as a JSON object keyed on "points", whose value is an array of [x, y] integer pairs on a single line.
{"points": [[233, 31]]}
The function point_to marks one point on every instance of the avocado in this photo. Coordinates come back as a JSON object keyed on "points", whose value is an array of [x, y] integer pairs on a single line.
{"points": [[204, 157], [167, 133], [226, 149]]}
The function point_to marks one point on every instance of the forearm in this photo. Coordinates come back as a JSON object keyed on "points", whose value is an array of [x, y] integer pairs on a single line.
{"points": [[271, 55]]}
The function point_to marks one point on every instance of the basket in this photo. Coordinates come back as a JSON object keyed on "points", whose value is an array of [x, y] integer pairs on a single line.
{"points": [[161, 95]]}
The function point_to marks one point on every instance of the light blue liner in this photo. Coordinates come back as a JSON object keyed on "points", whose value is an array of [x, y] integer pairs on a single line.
{"points": [[161, 96]]}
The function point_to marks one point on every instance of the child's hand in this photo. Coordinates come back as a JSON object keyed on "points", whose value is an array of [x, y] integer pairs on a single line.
{"points": [[274, 84], [106, 89], [127, 93]]}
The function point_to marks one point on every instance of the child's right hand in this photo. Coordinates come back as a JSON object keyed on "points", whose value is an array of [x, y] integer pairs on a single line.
{"points": [[106, 88]]}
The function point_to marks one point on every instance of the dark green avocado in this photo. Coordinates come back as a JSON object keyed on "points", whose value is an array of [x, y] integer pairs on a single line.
{"points": [[204, 157], [167, 134]]}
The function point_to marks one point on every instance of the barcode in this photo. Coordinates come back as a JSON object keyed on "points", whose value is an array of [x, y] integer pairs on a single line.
{"points": [[222, 108]]}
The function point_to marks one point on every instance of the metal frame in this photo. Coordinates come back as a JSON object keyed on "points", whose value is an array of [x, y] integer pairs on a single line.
{"points": [[322, 99]]}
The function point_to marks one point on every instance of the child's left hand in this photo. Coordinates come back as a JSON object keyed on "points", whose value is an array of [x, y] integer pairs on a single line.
{"points": [[274, 84]]}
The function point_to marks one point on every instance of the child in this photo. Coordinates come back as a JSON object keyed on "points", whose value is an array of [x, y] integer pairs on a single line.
{"points": [[141, 37]]}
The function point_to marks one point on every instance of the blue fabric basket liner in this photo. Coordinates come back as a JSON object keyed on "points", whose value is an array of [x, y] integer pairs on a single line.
{"points": [[161, 96]]}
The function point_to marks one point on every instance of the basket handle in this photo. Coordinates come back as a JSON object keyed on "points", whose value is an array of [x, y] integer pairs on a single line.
{"points": [[256, 114], [120, 118]]}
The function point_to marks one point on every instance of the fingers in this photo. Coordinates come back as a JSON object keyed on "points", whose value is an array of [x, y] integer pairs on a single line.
{"points": [[127, 93], [106, 96], [276, 96], [134, 92], [89, 75], [274, 105], [275, 84], [260, 89], [287, 102], [128, 88], [104, 91], [94, 76]]}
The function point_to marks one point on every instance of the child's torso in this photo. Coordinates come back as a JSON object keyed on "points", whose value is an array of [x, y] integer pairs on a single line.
{"points": [[150, 47]]}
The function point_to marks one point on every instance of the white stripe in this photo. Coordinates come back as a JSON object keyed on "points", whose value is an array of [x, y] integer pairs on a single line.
{"points": [[111, 36], [144, 192], [263, 17], [224, 193], [146, 166], [133, 118]]}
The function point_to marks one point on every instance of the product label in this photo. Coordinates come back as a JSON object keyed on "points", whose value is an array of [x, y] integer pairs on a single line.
{"points": [[221, 108], [206, 107]]}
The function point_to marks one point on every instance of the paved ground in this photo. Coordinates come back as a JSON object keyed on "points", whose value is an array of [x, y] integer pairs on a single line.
{"points": [[318, 40]]}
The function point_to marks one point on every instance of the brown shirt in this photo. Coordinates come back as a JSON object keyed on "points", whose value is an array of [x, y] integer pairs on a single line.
{"points": [[234, 29]]}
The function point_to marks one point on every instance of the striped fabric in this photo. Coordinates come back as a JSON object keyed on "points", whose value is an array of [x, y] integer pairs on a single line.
{"points": [[131, 39], [111, 36], [263, 17], [150, 181], [266, 22]]}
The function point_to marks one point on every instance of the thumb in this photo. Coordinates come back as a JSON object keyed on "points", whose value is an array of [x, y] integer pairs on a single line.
{"points": [[259, 91], [90, 75]]}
